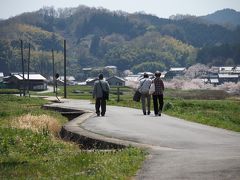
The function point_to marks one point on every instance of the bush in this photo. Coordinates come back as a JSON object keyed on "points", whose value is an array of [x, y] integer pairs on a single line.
{"points": [[167, 106]]}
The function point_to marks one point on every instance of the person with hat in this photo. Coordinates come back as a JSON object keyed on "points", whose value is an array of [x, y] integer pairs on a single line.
{"points": [[144, 86], [158, 94], [100, 88]]}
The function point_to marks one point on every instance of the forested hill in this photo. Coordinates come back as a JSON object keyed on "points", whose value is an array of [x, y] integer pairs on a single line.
{"points": [[99, 37], [226, 17]]}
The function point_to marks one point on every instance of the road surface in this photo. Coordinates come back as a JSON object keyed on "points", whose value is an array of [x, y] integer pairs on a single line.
{"points": [[178, 149]]}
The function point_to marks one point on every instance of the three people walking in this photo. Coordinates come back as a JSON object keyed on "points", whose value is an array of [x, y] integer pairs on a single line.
{"points": [[101, 87]]}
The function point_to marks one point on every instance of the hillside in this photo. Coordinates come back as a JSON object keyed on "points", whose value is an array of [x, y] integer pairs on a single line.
{"points": [[225, 17], [99, 37]]}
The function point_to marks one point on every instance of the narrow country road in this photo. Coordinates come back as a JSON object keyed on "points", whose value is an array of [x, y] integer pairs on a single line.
{"points": [[178, 149]]}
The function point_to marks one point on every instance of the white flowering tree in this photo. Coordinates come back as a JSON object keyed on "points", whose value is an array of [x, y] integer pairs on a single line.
{"points": [[195, 71]]}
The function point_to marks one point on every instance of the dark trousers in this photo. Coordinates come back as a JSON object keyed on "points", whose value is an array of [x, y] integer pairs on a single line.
{"points": [[157, 103], [100, 102]]}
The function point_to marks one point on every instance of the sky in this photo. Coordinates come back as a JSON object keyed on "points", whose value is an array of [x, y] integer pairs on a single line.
{"points": [[160, 8]]}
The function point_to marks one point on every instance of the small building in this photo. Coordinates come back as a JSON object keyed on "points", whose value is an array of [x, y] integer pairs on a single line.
{"points": [[90, 81], [175, 72], [87, 69], [116, 81], [228, 78], [211, 78], [150, 74], [36, 82], [213, 81], [133, 77], [236, 70], [112, 68], [227, 69], [70, 80], [1, 76]]}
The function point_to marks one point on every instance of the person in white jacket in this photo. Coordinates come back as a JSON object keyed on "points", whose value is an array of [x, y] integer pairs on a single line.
{"points": [[143, 88]]}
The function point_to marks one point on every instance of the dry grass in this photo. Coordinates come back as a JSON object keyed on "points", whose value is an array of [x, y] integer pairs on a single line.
{"points": [[39, 124]]}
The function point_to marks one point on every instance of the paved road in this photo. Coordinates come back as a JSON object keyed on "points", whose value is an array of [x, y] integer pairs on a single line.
{"points": [[178, 149]]}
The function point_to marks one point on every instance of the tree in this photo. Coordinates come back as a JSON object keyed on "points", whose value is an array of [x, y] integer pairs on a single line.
{"points": [[195, 71], [148, 67], [95, 45]]}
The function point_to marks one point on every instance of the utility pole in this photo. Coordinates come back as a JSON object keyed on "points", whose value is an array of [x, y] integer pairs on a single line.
{"points": [[53, 71], [65, 72], [28, 68], [22, 68]]}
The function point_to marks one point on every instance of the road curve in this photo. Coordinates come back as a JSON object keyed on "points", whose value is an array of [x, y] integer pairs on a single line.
{"points": [[179, 149]]}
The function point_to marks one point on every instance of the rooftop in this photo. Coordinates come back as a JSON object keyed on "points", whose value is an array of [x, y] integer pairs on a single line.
{"points": [[178, 69], [228, 75], [31, 76]]}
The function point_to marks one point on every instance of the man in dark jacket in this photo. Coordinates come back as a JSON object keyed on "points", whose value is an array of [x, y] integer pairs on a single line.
{"points": [[100, 86], [158, 94]]}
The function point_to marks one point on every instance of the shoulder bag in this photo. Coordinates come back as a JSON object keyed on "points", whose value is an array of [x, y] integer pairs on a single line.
{"points": [[105, 93], [137, 94]]}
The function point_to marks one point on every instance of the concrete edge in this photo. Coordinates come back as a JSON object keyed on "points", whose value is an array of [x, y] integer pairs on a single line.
{"points": [[72, 131]]}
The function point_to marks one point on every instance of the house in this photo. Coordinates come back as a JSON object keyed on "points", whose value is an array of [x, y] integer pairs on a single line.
{"points": [[150, 74], [116, 81], [1, 76], [2, 84], [90, 81], [228, 78], [236, 70], [36, 82], [112, 68], [132, 77], [214, 81], [70, 80], [175, 72], [228, 69]]}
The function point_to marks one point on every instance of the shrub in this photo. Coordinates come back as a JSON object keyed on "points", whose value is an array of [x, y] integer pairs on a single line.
{"points": [[167, 106]]}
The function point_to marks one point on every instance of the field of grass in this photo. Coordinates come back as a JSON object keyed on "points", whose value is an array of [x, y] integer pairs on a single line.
{"points": [[27, 153], [31, 151], [219, 113], [211, 107]]}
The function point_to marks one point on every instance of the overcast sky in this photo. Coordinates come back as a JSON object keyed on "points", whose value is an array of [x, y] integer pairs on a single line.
{"points": [[160, 8]]}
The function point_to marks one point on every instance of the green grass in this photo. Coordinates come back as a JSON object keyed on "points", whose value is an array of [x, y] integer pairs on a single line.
{"points": [[210, 107], [13, 106], [219, 113], [24, 154], [28, 155]]}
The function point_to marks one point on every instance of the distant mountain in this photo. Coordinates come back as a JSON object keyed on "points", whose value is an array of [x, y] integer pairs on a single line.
{"points": [[225, 17], [99, 37]]}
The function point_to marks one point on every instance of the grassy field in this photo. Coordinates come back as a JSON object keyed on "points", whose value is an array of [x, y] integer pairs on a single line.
{"points": [[30, 147], [211, 107], [35, 151], [219, 113]]}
